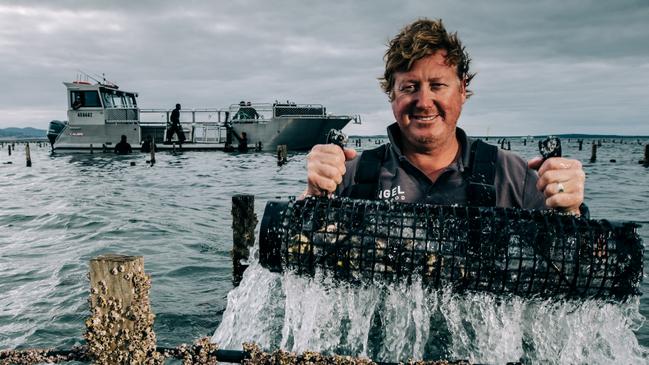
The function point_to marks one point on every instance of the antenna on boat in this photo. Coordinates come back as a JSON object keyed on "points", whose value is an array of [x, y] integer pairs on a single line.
{"points": [[106, 82], [88, 76]]}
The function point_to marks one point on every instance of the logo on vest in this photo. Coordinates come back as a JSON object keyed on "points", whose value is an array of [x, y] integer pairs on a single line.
{"points": [[395, 193]]}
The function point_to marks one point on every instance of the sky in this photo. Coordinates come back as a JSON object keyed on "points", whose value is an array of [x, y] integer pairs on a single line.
{"points": [[543, 67]]}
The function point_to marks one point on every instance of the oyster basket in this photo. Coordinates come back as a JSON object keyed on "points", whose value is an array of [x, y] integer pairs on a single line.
{"points": [[499, 250]]}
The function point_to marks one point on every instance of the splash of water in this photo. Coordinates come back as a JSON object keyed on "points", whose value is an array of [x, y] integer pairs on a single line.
{"points": [[399, 321]]}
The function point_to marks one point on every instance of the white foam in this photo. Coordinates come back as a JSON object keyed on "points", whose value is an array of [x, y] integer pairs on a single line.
{"points": [[300, 313]]}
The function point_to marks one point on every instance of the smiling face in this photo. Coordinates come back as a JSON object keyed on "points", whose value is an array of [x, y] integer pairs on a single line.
{"points": [[427, 102]]}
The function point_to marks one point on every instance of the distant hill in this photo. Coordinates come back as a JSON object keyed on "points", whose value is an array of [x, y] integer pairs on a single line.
{"points": [[22, 133]]}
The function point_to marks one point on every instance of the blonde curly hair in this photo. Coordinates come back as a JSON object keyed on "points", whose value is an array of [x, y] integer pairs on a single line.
{"points": [[417, 40]]}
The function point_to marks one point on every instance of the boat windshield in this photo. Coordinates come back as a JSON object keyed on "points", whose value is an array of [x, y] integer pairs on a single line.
{"points": [[118, 99], [84, 98]]}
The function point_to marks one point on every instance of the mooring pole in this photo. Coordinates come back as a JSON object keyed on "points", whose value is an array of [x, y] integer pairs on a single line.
{"points": [[152, 145], [282, 154], [244, 221], [581, 143], [91, 149], [646, 155], [9, 149], [120, 329], [28, 156], [593, 154]]}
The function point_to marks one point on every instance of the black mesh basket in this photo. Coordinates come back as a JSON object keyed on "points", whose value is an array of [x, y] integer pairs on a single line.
{"points": [[499, 250]]}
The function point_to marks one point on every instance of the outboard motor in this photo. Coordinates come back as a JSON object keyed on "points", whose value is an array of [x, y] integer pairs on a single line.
{"points": [[54, 130]]}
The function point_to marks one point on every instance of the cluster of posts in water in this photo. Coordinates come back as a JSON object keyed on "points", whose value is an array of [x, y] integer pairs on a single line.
{"points": [[282, 150], [505, 144]]}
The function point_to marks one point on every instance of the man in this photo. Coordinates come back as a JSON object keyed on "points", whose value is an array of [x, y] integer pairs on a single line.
{"points": [[123, 147], [243, 142], [148, 144], [175, 126], [428, 158]]}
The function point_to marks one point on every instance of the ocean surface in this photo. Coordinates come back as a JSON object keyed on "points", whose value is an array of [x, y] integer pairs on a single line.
{"points": [[68, 208]]}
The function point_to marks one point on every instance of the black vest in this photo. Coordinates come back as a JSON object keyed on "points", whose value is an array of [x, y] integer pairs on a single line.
{"points": [[480, 175]]}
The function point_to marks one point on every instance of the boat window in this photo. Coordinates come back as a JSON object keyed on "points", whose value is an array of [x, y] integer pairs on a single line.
{"points": [[108, 100], [130, 98], [88, 99]]}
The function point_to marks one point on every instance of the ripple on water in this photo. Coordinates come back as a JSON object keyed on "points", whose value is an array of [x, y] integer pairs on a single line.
{"points": [[70, 208]]}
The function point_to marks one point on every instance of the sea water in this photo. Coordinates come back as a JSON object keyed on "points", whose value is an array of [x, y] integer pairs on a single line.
{"points": [[67, 209]]}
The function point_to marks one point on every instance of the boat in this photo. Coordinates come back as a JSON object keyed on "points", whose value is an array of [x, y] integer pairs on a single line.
{"points": [[100, 113]]}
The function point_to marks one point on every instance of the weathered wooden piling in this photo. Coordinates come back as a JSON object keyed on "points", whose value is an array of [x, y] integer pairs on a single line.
{"points": [[593, 154], [509, 146], [581, 144], [152, 145], [645, 162], [9, 149], [28, 156], [104, 148], [91, 149], [120, 328], [244, 221], [282, 154]]}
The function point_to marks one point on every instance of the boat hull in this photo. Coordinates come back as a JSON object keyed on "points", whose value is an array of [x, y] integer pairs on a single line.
{"points": [[82, 137], [297, 133]]}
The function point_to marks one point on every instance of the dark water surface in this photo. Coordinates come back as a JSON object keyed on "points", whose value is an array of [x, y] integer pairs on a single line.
{"points": [[67, 209]]}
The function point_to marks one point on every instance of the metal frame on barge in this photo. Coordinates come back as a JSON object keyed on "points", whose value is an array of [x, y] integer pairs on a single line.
{"points": [[99, 114]]}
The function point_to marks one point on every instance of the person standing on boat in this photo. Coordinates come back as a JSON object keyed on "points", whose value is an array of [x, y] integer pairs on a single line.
{"points": [[246, 111], [429, 159], [175, 127], [252, 112], [123, 147]]}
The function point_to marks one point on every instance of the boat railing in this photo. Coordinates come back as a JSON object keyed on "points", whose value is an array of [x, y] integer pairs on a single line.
{"points": [[253, 113], [205, 115], [205, 125], [299, 110], [121, 115]]}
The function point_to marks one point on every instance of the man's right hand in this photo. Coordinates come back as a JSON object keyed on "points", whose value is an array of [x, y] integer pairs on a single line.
{"points": [[325, 168]]}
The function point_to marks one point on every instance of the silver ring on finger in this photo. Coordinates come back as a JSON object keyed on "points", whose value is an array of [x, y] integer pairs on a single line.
{"points": [[560, 188]]}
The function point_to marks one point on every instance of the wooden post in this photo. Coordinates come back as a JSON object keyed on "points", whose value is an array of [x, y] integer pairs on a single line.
{"points": [[581, 143], [120, 328], [9, 149], [244, 221], [282, 154], [91, 149], [28, 156], [646, 155], [152, 145], [593, 155], [104, 148]]}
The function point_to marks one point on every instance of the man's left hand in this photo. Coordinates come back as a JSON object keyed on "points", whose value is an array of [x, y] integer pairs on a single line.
{"points": [[562, 182]]}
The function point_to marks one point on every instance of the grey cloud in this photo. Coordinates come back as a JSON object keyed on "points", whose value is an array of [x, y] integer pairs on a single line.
{"points": [[549, 66]]}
